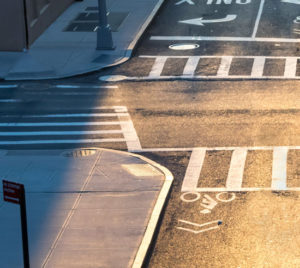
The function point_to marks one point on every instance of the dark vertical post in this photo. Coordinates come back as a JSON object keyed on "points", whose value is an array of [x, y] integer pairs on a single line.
{"points": [[24, 228], [104, 36], [26, 26]]}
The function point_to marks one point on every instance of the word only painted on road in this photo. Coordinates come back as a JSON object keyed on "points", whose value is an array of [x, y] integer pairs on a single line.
{"points": [[218, 2]]}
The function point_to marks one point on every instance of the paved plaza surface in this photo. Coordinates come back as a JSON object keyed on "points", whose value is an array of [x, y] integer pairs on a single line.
{"points": [[85, 208]]}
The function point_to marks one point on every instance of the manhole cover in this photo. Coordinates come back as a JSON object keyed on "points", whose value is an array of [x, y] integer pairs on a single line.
{"points": [[79, 153], [113, 78], [183, 46]]}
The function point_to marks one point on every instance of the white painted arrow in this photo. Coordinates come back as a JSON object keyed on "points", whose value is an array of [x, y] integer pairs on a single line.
{"points": [[291, 1], [201, 21]]}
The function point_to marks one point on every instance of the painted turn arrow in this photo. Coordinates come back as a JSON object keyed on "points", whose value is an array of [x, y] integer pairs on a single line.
{"points": [[291, 1], [201, 21]]}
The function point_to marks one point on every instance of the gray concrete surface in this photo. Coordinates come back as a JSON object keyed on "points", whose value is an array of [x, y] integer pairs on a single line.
{"points": [[57, 53], [83, 211]]}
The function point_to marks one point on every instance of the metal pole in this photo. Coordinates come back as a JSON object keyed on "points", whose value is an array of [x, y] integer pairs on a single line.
{"points": [[26, 26], [104, 36], [24, 229]]}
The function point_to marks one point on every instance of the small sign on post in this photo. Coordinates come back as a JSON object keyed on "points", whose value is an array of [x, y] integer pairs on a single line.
{"points": [[12, 192], [15, 193]]}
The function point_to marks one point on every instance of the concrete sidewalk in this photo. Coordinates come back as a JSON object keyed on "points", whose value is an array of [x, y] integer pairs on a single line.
{"points": [[85, 208], [68, 46]]}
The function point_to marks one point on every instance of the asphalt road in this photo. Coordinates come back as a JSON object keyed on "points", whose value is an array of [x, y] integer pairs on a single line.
{"points": [[223, 117]]}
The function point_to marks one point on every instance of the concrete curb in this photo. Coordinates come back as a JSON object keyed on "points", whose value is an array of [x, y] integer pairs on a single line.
{"points": [[118, 61], [132, 45], [156, 213], [134, 42], [157, 210], [143, 28]]}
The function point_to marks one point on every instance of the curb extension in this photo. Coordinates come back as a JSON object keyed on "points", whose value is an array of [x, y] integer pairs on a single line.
{"points": [[157, 210]]}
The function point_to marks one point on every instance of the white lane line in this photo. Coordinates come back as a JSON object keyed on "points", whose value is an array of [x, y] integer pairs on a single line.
{"points": [[120, 109], [76, 115], [8, 86], [158, 66], [257, 21], [190, 181], [81, 141], [209, 77], [10, 100], [149, 150], [216, 57], [224, 67], [53, 124], [49, 133], [64, 93], [279, 168], [246, 189], [217, 38], [258, 67], [117, 109], [257, 148], [83, 86], [236, 170], [191, 65], [290, 67], [291, 1]]}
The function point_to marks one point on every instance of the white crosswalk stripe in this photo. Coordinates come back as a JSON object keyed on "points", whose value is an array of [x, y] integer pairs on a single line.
{"points": [[234, 181], [191, 66], [235, 173], [157, 67], [84, 128], [258, 67], [223, 68]]}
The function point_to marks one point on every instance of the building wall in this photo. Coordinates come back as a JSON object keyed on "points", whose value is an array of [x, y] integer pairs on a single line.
{"points": [[23, 21], [12, 25], [41, 13]]}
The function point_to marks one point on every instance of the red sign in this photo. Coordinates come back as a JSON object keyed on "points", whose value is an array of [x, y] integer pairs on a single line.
{"points": [[12, 191]]}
